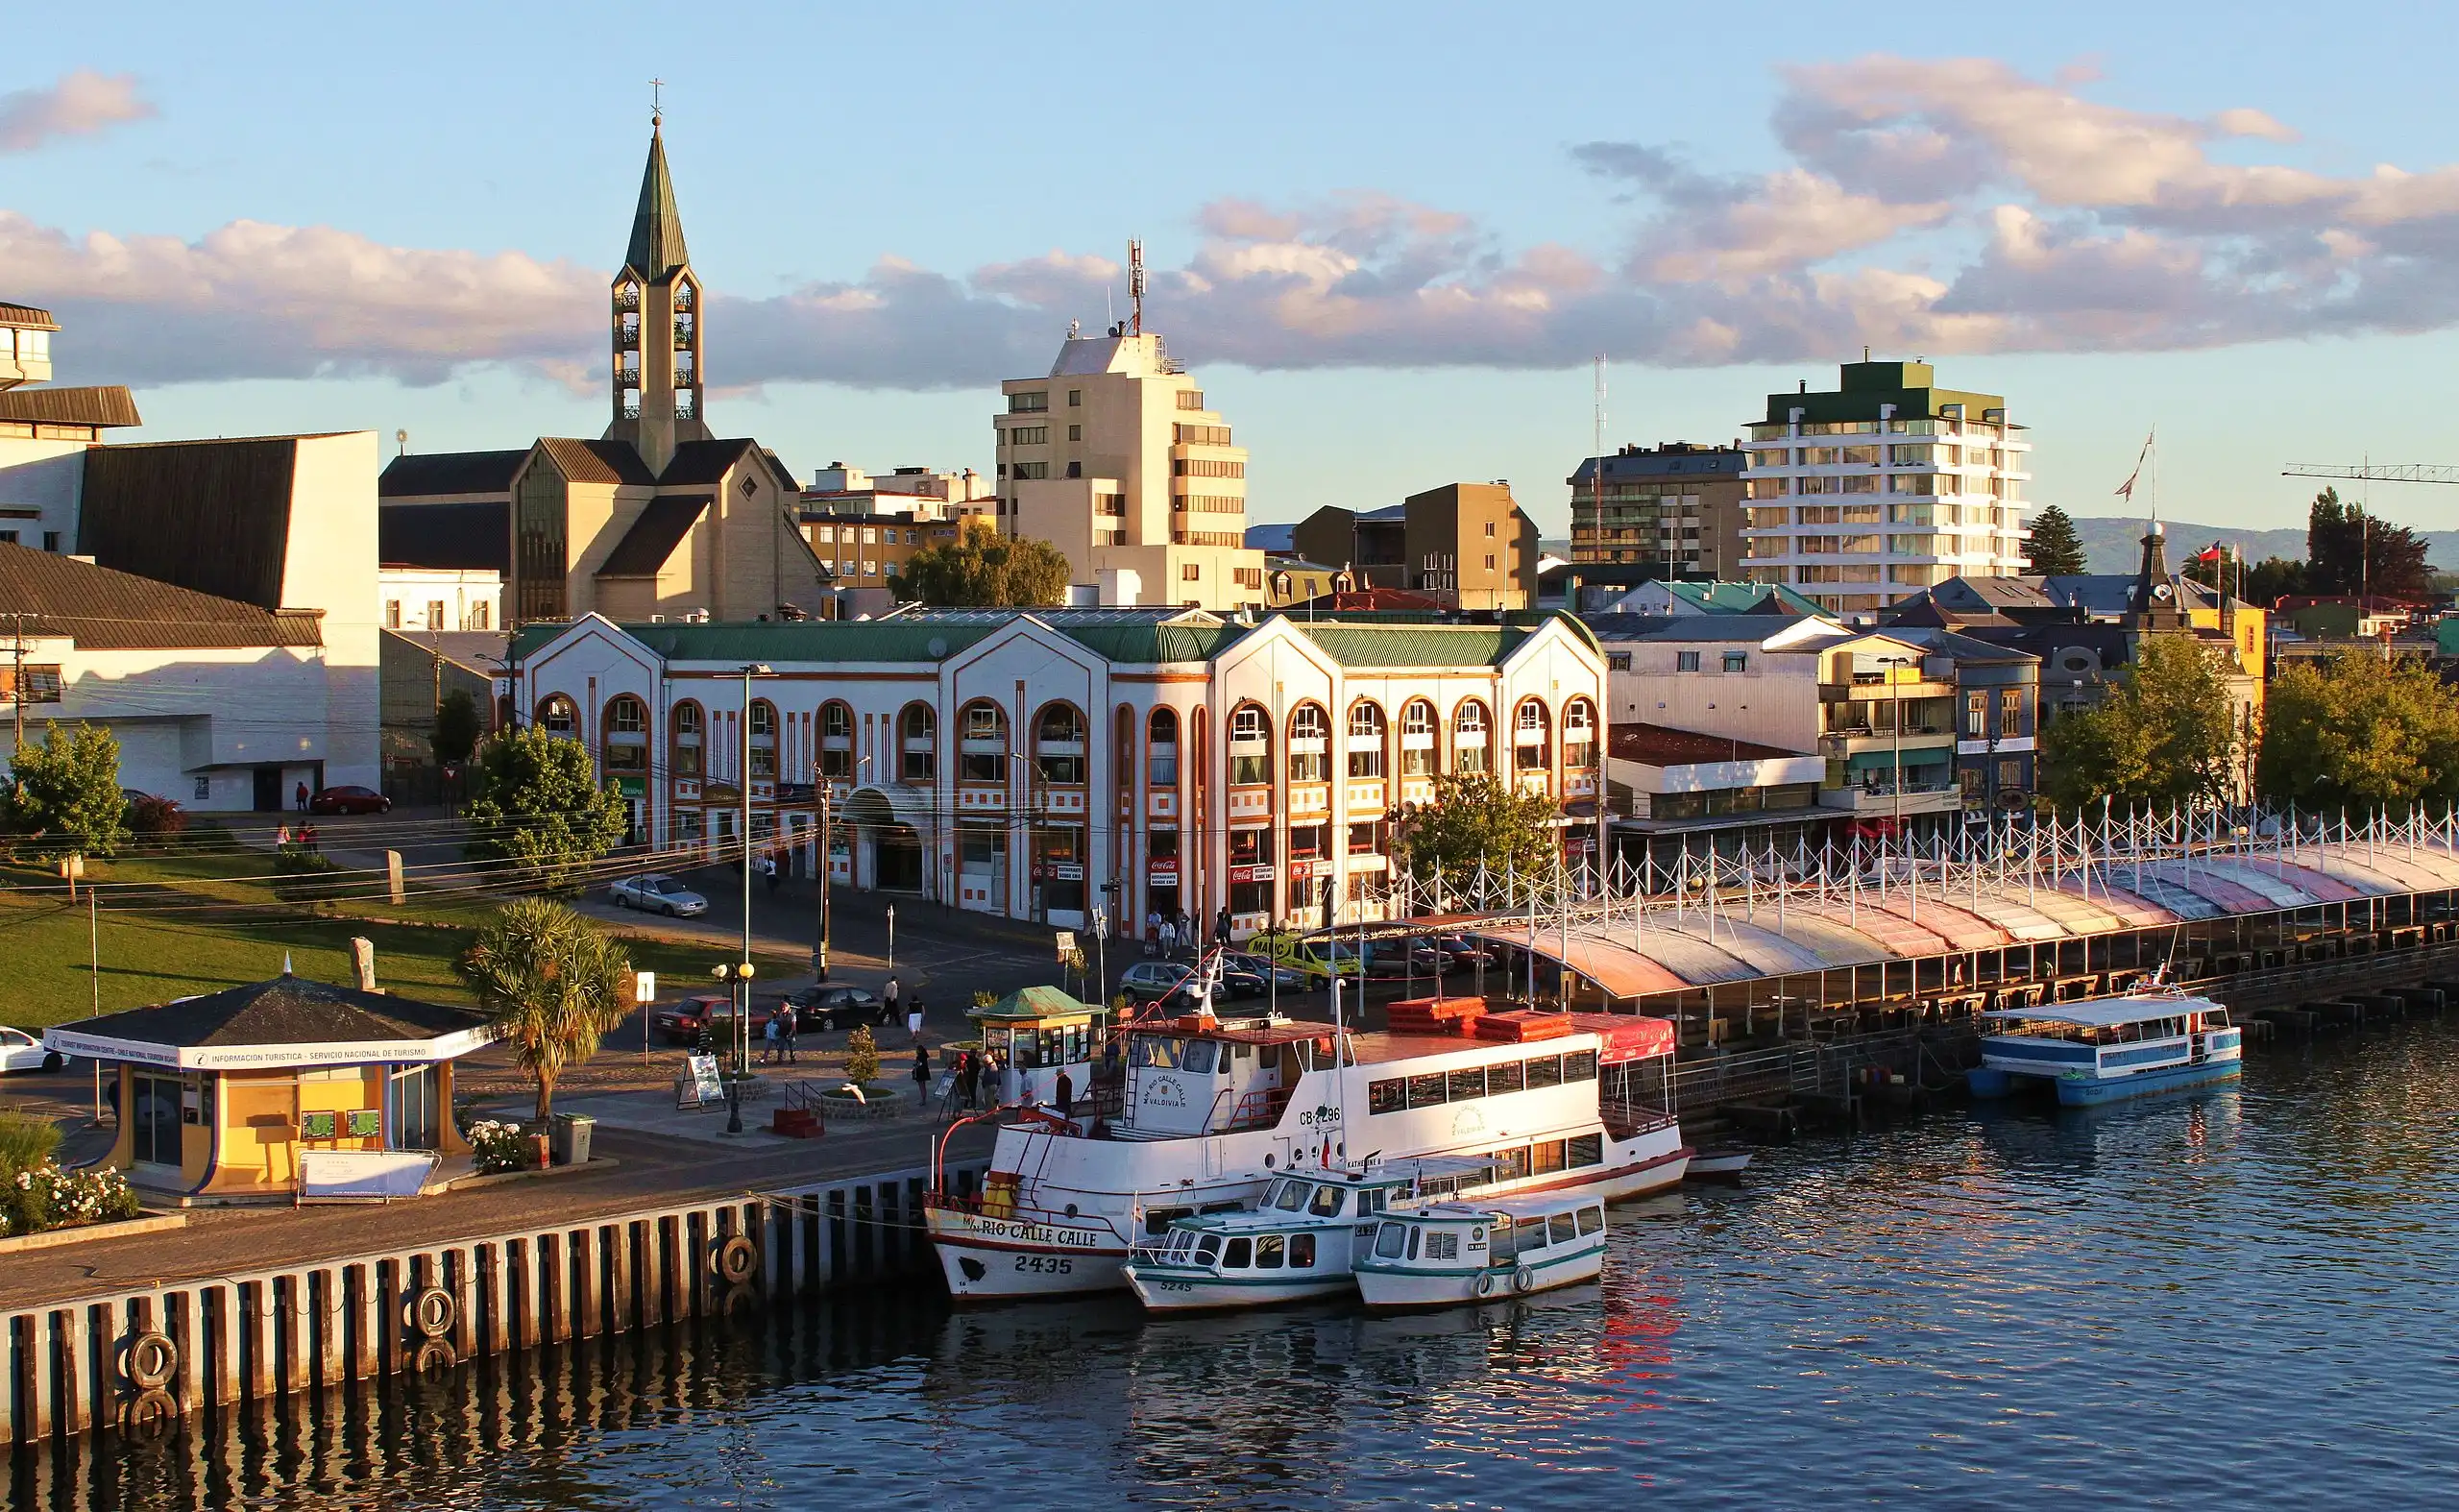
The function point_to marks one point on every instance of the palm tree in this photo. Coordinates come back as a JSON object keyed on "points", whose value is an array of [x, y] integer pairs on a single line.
{"points": [[555, 983]]}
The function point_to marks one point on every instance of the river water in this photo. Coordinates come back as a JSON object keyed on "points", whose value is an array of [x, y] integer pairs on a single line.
{"points": [[2241, 1297]]}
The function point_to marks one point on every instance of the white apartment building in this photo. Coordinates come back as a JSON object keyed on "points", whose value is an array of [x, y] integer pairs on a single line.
{"points": [[1883, 487], [434, 599], [1113, 458], [840, 489], [1041, 763]]}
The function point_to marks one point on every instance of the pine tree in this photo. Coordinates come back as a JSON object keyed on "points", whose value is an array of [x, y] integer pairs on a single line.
{"points": [[2055, 550]]}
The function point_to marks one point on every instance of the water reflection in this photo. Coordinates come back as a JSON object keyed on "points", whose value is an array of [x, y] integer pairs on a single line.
{"points": [[2199, 1301]]}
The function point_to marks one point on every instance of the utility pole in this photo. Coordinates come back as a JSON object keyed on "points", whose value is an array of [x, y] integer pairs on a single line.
{"points": [[17, 682], [820, 955]]}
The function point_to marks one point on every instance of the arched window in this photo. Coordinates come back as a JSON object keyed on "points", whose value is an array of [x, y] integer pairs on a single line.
{"points": [[763, 740], [1417, 739], [836, 739], [1059, 743], [917, 737], [1365, 738], [557, 715], [1579, 735], [1529, 737], [687, 730], [1468, 734], [984, 756], [1161, 765], [1309, 743], [626, 742], [1249, 746]]}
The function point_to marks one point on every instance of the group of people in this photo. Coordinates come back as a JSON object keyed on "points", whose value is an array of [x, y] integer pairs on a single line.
{"points": [[778, 1039], [1165, 935], [304, 838], [967, 1066]]}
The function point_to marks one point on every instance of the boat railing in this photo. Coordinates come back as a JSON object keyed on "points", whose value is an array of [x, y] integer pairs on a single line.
{"points": [[1629, 1120], [1258, 1107]]}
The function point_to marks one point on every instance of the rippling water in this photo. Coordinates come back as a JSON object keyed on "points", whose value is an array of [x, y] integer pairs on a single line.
{"points": [[2237, 1296]]}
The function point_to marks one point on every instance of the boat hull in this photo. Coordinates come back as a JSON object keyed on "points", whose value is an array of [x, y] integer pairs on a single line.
{"points": [[2083, 1092], [1167, 1289], [987, 1259], [1394, 1288]]}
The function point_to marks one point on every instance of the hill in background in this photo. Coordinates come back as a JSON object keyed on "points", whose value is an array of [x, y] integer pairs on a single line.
{"points": [[2114, 544]]}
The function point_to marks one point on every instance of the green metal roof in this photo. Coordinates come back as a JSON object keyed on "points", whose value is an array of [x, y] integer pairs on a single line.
{"points": [[1141, 644], [656, 248], [1722, 598], [1032, 1002], [1415, 645]]}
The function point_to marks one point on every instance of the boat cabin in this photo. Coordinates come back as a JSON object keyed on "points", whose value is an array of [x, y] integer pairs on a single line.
{"points": [[1282, 1229], [2103, 1037], [1201, 1075], [1498, 1233]]}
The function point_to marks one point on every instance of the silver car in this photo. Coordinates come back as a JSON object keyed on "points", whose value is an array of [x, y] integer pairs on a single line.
{"points": [[657, 894]]}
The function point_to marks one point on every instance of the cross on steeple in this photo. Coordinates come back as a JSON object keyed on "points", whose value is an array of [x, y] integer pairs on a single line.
{"points": [[657, 102]]}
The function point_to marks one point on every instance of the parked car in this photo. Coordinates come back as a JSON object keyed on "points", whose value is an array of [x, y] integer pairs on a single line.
{"points": [[1315, 959], [20, 1051], [350, 798], [657, 894], [829, 1007], [1152, 981], [1263, 970], [1464, 953], [682, 1021]]}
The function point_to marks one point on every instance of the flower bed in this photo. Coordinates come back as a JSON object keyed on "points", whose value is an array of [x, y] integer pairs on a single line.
{"points": [[499, 1146], [48, 1196]]}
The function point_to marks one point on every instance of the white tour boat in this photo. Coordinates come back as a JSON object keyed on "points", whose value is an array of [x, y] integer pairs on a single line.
{"points": [[2107, 1049], [1445, 1254], [1210, 1110], [1295, 1243]]}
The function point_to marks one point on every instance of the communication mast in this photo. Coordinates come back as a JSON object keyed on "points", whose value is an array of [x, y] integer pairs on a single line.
{"points": [[1135, 289]]}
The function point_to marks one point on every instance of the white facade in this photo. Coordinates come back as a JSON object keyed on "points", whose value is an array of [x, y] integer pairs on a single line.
{"points": [[38, 486], [1038, 765], [419, 598]]}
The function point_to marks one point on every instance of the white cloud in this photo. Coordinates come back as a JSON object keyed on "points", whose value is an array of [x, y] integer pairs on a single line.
{"points": [[77, 103]]}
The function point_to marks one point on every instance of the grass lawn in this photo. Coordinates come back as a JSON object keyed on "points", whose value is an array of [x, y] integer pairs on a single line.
{"points": [[209, 919]]}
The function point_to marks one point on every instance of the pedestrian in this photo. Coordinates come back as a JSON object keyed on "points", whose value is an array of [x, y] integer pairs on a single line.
{"points": [[889, 992], [300, 797], [913, 1021], [793, 1023], [770, 1039], [308, 837], [1066, 1096], [768, 874], [1221, 928], [1187, 926], [921, 1074], [1168, 938], [282, 836], [968, 1077]]}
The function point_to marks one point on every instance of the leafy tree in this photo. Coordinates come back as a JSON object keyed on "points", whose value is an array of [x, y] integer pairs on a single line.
{"points": [[65, 792], [2054, 550], [2359, 732], [862, 1058], [535, 800], [2274, 578], [2166, 735], [457, 728], [2348, 551], [1475, 818], [554, 982], [982, 569]]}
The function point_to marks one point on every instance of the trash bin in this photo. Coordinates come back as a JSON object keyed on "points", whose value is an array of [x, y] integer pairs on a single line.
{"points": [[570, 1139]]}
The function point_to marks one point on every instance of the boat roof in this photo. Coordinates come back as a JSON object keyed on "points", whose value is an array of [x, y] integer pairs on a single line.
{"points": [[1535, 1204], [2104, 1012]]}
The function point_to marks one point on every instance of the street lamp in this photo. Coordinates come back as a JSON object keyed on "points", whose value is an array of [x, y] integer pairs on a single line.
{"points": [[739, 972]]}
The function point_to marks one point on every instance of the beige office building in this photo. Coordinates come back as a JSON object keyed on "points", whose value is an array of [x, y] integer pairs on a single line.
{"points": [[1113, 458]]}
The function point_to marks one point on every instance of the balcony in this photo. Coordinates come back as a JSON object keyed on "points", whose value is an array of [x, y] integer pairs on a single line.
{"points": [[1880, 802], [1852, 740]]}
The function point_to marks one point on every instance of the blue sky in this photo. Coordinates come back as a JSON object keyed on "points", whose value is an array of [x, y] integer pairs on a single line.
{"points": [[1387, 236]]}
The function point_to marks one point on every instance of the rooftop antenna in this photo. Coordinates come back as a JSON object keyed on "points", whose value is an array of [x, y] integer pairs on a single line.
{"points": [[401, 439], [1135, 289]]}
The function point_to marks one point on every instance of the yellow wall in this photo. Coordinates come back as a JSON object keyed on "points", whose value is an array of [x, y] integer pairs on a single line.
{"points": [[259, 1128]]}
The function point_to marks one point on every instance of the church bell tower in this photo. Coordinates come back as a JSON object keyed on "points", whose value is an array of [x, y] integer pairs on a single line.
{"points": [[657, 378]]}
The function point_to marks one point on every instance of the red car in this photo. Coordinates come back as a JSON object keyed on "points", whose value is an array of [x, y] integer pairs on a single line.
{"points": [[349, 799], [681, 1022]]}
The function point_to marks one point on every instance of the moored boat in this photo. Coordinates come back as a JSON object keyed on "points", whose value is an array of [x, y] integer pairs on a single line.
{"points": [[1718, 1165], [1298, 1242], [2107, 1049], [1446, 1253]]}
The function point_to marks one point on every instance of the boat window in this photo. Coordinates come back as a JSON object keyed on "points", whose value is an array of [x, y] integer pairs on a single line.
{"points": [[1510, 1165], [1199, 1057], [1440, 1246], [1388, 1096], [1388, 1240], [1469, 1084], [1231, 1206], [1327, 1202], [1592, 1219], [1208, 1248], [1181, 1242], [1580, 1065], [1293, 1197], [1563, 1229], [1587, 1149], [1545, 1071], [1302, 1251], [1545, 1157], [1429, 1090], [1413, 1241], [1158, 1049], [1269, 1252], [1371, 1200], [1530, 1233], [1157, 1220], [1234, 1258], [1506, 1246], [1507, 1077]]}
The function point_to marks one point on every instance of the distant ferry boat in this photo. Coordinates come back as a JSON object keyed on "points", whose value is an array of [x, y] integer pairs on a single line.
{"points": [[2106, 1049], [1213, 1111]]}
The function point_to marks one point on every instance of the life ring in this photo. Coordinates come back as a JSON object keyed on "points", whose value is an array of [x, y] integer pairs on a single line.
{"points": [[434, 1359], [735, 1260], [149, 1412], [151, 1361], [1487, 1284], [1523, 1280], [432, 1312]]}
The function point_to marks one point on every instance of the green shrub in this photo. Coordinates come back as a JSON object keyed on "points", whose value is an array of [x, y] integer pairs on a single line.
{"points": [[862, 1058], [25, 1142]]}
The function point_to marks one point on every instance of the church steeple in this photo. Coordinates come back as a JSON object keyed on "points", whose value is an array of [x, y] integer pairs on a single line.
{"points": [[657, 378]]}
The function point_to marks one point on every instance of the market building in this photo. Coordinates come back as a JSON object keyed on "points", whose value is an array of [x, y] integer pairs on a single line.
{"points": [[1043, 763]]}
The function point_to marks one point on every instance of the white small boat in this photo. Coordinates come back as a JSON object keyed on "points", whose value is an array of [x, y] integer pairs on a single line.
{"points": [[1297, 1243], [1448, 1254], [1718, 1165]]}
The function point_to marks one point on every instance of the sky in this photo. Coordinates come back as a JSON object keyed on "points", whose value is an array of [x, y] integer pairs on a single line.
{"points": [[1388, 240]]}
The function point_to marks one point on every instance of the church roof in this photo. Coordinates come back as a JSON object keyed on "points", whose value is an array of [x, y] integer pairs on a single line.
{"points": [[660, 528], [432, 473], [657, 228], [599, 461], [703, 462]]}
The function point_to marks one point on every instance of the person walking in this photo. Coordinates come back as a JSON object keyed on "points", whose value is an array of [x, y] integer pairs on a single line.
{"points": [[1066, 1096], [770, 1039], [768, 874], [969, 1077], [913, 1021], [1221, 929], [298, 795], [889, 992], [922, 1076], [790, 1021], [1169, 940]]}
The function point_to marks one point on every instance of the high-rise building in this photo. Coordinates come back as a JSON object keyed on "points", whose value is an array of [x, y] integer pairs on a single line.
{"points": [[1677, 507], [1113, 458], [1884, 486]]}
